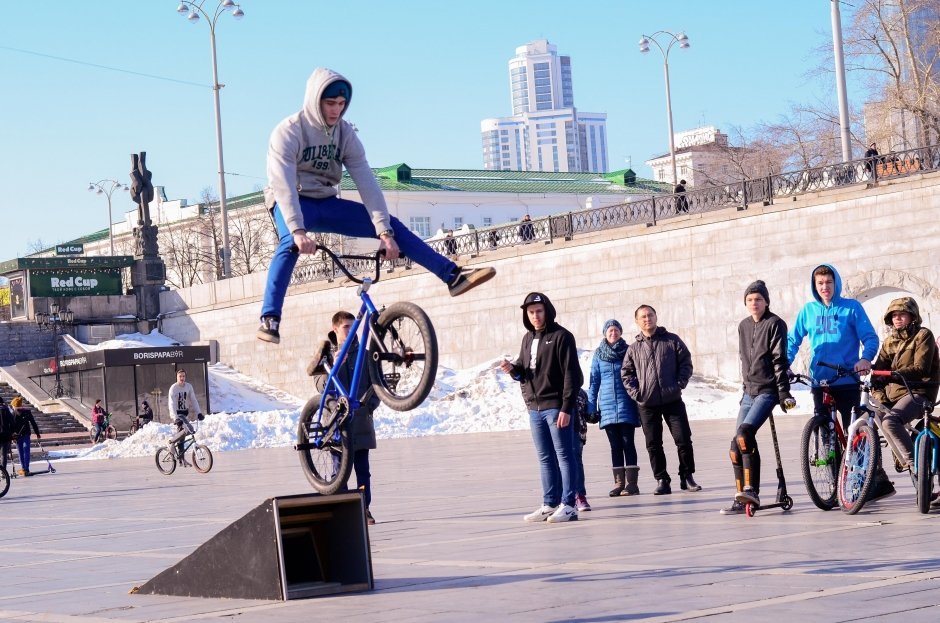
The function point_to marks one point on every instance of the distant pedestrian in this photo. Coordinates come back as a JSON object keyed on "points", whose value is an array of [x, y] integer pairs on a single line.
{"points": [[7, 427], [682, 202], [619, 416], [450, 244], [657, 368], [98, 417], [871, 155], [493, 238], [526, 229], [550, 376], [23, 421]]}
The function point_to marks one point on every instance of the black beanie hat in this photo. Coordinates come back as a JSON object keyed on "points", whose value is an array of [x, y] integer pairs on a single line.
{"points": [[339, 88], [758, 287]]}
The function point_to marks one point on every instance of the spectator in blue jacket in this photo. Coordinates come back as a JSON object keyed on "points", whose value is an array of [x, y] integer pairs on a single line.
{"points": [[618, 413], [837, 328]]}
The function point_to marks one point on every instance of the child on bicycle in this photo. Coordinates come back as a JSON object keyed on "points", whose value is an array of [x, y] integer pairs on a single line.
{"points": [[181, 399], [306, 156], [837, 327], [362, 429], [910, 351], [762, 343]]}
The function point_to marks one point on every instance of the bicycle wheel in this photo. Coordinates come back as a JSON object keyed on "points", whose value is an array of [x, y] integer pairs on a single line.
{"points": [[924, 475], [134, 428], [202, 458], [4, 481], [166, 461], [110, 432], [821, 457], [858, 469], [325, 453], [403, 372]]}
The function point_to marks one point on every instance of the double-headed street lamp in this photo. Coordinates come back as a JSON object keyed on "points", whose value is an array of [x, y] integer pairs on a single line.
{"points": [[53, 321], [107, 187], [191, 10], [683, 42]]}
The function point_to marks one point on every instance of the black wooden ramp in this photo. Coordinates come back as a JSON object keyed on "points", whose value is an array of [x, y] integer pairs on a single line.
{"points": [[288, 547]]}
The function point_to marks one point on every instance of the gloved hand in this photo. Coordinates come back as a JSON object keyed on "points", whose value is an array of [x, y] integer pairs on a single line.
{"points": [[787, 401], [200, 417]]}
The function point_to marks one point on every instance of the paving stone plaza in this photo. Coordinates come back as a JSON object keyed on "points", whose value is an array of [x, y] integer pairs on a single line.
{"points": [[450, 543]]}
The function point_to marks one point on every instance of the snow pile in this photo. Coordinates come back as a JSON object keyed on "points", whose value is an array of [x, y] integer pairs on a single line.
{"points": [[249, 414]]}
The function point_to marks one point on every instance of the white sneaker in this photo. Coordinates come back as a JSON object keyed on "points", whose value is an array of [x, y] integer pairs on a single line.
{"points": [[540, 514], [564, 513]]}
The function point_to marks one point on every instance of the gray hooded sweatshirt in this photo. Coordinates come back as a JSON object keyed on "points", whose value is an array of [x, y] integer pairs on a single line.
{"points": [[306, 157]]}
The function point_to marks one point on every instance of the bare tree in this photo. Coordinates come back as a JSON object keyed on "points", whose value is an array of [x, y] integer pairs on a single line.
{"points": [[181, 246], [252, 238]]}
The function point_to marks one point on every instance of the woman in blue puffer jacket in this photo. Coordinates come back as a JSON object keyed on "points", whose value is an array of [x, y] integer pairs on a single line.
{"points": [[618, 413]]}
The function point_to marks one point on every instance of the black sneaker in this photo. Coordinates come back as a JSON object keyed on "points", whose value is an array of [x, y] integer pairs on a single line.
{"points": [[268, 331], [736, 508], [469, 279], [883, 489]]}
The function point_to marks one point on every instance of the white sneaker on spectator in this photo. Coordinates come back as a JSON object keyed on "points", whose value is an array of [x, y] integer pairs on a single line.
{"points": [[541, 513], [564, 513]]}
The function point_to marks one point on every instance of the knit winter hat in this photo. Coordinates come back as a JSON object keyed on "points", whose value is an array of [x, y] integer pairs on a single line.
{"points": [[611, 323], [758, 287], [339, 88]]}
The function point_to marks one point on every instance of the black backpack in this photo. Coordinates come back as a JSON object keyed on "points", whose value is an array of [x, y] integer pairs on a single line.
{"points": [[7, 423]]}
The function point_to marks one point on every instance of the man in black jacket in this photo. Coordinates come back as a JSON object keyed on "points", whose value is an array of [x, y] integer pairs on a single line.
{"points": [[762, 345], [656, 369], [550, 377]]}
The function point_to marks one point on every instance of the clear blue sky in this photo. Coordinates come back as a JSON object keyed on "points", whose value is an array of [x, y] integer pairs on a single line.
{"points": [[424, 74]]}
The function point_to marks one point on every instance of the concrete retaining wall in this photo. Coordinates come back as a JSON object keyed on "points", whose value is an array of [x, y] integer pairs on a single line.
{"points": [[693, 269]]}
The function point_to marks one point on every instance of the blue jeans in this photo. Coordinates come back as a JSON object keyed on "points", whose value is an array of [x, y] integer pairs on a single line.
{"points": [[557, 463], [349, 218], [755, 410], [22, 448]]}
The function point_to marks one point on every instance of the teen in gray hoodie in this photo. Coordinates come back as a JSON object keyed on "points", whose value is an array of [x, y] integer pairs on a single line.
{"points": [[306, 156]]}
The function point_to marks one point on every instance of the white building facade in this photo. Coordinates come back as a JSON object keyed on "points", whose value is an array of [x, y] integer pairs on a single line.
{"points": [[546, 132]]}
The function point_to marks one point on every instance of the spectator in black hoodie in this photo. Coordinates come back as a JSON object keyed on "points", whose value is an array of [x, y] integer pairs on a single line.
{"points": [[656, 369], [550, 377], [762, 345]]}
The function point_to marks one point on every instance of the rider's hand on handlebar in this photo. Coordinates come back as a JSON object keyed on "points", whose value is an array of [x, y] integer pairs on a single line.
{"points": [[787, 401], [304, 243], [863, 367], [391, 247]]}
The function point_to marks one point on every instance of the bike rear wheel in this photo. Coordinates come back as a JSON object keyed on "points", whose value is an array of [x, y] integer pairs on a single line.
{"points": [[110, 432], [325, 451], [202, 458], [4, 482], [858, 469], [821, 458], [166, 461], [924, 475], [403, 372]]}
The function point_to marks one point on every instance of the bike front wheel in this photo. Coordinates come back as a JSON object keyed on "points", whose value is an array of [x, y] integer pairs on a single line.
{"points": [[924, 476], [403, 356], [323, 443], [110, 432], [166, 461], [821, 457], [4, 481], [202, 458], [858, 469]]}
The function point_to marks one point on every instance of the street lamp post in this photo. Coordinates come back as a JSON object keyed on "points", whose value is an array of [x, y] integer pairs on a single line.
{"points": [[192, 9], [683, 42], [53, 321], [101, 188]]}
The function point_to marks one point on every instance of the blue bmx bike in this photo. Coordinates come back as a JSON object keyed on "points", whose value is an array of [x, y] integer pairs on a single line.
{"points": [[396, 347]]}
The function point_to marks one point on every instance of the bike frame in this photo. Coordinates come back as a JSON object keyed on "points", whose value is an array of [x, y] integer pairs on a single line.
{"points": [[362, 328]]}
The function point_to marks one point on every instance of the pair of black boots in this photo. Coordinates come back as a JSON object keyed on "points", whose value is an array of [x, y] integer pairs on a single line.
{"points": [[686, 483]]}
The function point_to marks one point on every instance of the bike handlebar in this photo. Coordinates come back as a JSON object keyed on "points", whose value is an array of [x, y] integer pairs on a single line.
{"points": [[374, 257]]}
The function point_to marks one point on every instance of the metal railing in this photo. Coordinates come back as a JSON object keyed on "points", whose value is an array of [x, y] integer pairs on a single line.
{"points": [[764, 190]]}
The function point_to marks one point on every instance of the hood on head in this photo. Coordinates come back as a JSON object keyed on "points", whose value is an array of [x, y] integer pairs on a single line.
{"points": [[537, 297], [837, 293], [318, 81], [904, 304]]}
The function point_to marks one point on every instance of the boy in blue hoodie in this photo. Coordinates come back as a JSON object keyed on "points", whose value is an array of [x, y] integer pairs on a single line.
{"points": [[306, 156], [838, 328]]}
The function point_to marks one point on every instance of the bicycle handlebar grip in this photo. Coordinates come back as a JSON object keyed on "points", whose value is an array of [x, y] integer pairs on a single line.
{"points": [[881, 372]]}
